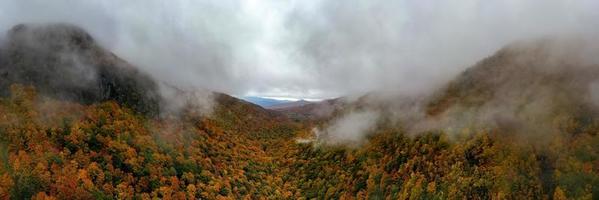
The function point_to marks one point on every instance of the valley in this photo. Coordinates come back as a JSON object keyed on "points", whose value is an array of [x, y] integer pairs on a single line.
{"points": [[520, 124]]}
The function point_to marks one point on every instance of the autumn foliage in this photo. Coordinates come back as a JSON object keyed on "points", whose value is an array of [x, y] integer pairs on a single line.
{"points": [[53, 149]]}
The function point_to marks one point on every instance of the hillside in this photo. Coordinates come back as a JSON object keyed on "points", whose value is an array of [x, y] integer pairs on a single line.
{"points": [[265, 102], [520, 124], [310, 111], [69, 141], [524, 87], [63, 61], [289, 104], [115, 153], [520, 74]]}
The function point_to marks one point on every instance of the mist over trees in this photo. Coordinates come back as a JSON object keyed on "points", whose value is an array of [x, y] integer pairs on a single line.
{"points": [[432, 100]]}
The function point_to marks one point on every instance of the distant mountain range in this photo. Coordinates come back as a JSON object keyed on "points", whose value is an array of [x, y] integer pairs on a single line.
{"points": [[300, 109], [306, 110], [522, 123], [271, 103], [265, 102], [291, 104]]}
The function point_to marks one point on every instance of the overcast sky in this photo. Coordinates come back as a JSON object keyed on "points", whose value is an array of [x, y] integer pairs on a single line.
{"points": [[308, 49]]}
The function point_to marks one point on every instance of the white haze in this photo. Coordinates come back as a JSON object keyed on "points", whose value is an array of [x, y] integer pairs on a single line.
{"points": [[351, 128], [310, 48], [540, 87]]}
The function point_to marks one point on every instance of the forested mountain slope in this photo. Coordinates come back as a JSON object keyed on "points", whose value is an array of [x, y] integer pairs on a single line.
{"points": [[63, 61], [521, 124]]}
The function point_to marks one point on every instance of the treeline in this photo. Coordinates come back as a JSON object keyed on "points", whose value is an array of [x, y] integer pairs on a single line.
{"points": [[53, 149], [56, 149], [481, 165]]}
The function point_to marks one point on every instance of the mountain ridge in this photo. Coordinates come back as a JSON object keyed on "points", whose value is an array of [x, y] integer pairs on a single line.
{"points": [[463, 141], [64, 61]]}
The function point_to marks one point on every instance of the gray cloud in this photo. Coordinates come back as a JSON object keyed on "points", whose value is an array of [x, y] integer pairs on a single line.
{"points": [[184, 43], [308, 49], [413, 46], [351, 128]]}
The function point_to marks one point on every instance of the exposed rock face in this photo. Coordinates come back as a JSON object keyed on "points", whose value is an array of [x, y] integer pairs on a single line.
{"points": [[63, 61]]}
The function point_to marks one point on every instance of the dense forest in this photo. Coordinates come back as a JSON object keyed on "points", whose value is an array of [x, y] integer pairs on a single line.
{"points": [[64, 150], [506, 128]]}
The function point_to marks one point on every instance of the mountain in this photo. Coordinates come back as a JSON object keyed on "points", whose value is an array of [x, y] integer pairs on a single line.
{"points": [[265, 102], [67, 150], [289, 104], [524, 86], [63, 61], [520, 124], [77, 122], [310, 111]]}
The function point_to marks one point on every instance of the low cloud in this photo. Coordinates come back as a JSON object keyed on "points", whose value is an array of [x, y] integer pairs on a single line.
{"points": [[530, 89], [313, 49], [190, 102], [351, 128], [308, 49], [414, 47]]}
